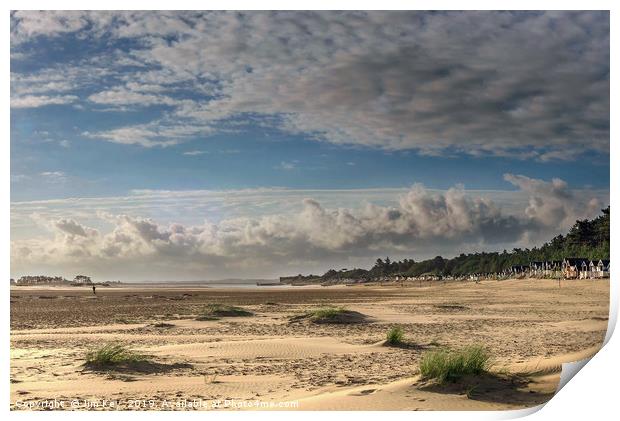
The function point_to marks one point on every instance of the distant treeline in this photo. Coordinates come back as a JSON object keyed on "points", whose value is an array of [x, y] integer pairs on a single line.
{"points": [[587, 238]]}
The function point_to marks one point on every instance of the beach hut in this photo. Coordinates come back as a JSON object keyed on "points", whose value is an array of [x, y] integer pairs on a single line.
{"points": [[575, 267], [519, 270], [599, 268], [606, 270], [553, 268], [537, 268], [593, 269]]}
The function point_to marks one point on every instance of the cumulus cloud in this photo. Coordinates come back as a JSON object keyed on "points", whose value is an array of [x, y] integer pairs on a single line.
{"points": [[531, 85], [553, 204], [73, 228], [422, 222]]}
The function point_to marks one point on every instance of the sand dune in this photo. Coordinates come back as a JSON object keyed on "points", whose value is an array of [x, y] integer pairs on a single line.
{"points": [[530, 326]]}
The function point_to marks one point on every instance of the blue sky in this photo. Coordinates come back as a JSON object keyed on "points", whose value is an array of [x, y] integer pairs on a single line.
{"points": [[236, 161], [509, 110]]}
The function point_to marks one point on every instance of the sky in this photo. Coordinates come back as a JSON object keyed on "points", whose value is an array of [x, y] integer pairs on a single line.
{"points": [[210, 145]]}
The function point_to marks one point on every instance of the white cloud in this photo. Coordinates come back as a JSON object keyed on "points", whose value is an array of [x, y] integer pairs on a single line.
{"points": [[53, 85], [134, 94], [531, 85], [421, 222], [553, 204], [287, 166], [54, 176], [27, 24], [158, 133], [34, 101]]}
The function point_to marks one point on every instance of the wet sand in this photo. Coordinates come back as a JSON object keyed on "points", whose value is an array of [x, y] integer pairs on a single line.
{"points": [[267, 362]]}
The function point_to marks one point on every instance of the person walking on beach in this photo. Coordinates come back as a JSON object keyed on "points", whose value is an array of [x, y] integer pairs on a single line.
{"points": [[94, 292]]}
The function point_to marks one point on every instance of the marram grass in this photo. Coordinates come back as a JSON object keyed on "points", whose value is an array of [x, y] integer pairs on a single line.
{"points": [[449, 365], [215, 311], [326, 313], [113, 354], [395, 336]]}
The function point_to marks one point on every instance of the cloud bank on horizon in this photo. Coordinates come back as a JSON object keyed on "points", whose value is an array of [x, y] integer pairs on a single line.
{"points": [[312, 238], [146, 145]]}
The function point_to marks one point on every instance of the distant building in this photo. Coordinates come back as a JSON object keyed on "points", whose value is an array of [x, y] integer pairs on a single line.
{"points": [[519, 269], [553, 268], [599, 269], [575, 267], [537, 268]]}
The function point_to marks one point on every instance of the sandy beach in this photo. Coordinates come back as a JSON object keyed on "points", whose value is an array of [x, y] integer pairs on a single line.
{"points": [[271, 361]]}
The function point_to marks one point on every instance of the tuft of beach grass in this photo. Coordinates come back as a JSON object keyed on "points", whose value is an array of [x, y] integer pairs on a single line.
{"points": [[215, 311], [395, 336], [113, 354], [326, 313], [450, 365], [330, 315]]}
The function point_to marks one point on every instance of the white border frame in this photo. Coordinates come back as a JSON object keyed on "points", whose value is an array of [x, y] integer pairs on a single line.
{"points": [[592, 393]]}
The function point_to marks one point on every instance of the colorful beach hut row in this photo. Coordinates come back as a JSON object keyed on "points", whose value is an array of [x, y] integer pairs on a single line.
{"points": [[569, 268]]}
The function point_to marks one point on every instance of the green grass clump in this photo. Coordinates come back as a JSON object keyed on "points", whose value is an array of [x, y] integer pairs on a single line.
{"points": [[330, 315], [395, 336], [326, 313], [450, 365], [113, 354], [215, 311]]}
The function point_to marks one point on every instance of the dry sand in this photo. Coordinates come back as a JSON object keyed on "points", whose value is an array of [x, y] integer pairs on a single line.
{"points": [[530, 327]]}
